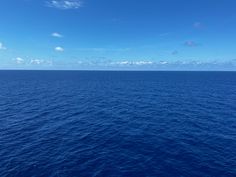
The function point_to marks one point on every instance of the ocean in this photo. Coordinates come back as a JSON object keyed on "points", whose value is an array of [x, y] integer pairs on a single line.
{"points": [[117, 123]]}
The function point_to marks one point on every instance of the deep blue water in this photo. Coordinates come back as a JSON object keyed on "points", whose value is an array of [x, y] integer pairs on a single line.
{"points": [[105, 124]]}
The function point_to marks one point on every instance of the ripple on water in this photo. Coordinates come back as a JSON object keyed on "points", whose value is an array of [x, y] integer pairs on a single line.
{"points": [[62, 123]]}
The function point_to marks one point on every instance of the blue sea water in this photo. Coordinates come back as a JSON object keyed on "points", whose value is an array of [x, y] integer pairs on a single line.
{"points": [[112, 124]]}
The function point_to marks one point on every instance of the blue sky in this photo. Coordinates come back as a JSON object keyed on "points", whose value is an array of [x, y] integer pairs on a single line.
{"points": [[124, 34]]}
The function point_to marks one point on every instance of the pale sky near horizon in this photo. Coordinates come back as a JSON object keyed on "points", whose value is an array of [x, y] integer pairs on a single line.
{"points": [[124, 34]]}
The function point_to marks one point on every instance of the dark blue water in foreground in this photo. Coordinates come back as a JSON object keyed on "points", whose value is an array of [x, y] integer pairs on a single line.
{"points": [[105, 124]]}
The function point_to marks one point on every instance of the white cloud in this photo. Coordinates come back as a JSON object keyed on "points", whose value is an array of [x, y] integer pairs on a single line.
{"points": [[59, 49], [41, 62], [19, 60], [190, 44], [2, 47], [163, 62], [36, 61], [58, 35], [64, 4], [139, 63], [124, 63], [143, 62]]}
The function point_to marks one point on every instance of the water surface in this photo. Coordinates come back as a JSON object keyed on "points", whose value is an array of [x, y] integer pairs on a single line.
{"points": [[81, 123]]}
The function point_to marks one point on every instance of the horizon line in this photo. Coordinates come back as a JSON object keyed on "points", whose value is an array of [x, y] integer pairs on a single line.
{"points": [[114, 70]]}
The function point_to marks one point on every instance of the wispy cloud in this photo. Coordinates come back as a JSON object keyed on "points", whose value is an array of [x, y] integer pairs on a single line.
{"points": [[104, 49], [19, 60], [164, 34], [156, 65], [55, 34], [198, 25], [2, 47], [59, 49], [64, 4], [36, 61], [162, 63], [127, 64], [41, 62], [176, 65], [130, 63], [28, 61], [190, 43]]}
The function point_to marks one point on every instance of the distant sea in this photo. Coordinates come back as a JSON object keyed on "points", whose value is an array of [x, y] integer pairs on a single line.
{"points": [[114, 124]]}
